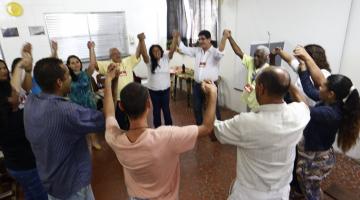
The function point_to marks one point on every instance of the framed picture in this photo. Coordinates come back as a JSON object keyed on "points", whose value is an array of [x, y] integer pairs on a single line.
{"points": [[36, 30], [10, 32]]}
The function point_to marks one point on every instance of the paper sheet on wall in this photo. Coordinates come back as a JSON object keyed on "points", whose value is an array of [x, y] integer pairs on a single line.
{"points": [[240, 71]]}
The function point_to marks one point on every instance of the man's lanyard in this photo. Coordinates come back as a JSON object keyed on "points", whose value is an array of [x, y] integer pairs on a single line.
{"points": [[203, 59]]}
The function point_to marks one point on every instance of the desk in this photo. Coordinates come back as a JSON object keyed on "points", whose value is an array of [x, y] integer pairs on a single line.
{"points": [[188, 76]]}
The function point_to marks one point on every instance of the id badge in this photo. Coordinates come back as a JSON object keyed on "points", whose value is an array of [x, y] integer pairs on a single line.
{"points": [[202, 64], [123, 73]]}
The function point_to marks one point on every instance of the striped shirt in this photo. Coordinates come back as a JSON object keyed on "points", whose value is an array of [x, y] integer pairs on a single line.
{"points": [[56, 130]]}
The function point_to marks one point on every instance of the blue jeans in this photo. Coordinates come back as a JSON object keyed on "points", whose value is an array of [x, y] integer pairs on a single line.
{"points": [[198, 103], [160, 101], [84, 193], [31, 184]]}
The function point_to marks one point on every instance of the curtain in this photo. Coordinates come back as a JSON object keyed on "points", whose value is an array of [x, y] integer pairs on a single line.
{"points": [[189, 17], [176, 20]]}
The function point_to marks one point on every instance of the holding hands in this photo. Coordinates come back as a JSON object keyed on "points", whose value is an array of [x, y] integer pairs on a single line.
{"points": [[112, 72], [141, 36], [301, 53], [209, 88], [226, 33], [91, 45], [26, 62]]}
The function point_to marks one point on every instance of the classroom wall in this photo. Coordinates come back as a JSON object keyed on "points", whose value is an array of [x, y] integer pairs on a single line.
{"points": [[150, 17], [350, 58]]}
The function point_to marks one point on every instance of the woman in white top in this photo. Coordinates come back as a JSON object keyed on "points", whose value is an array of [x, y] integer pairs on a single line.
{"points": [[159, 81], [318, 54]]}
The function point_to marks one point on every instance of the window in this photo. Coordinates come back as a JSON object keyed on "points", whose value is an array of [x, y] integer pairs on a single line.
{"points": [[2, 57], [189, 17], [73, 30]]}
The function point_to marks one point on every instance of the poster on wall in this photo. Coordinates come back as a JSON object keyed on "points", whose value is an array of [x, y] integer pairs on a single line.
{"points": [[241, 71], [36, 30], [10, 32]]}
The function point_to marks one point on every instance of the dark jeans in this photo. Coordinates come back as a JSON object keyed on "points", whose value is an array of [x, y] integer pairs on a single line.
{"points": [[160, 101], [31, 184], [122, 118], [198, 103]]}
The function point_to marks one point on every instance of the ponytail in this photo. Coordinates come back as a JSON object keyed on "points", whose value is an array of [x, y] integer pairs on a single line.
{"points": [[350, 124]]}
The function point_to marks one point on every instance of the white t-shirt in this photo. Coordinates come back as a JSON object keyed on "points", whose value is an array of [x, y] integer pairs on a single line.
{"points": [[160, 79], [206, 63]]}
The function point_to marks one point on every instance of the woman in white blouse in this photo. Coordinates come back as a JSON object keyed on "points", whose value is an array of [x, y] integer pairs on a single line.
{"points": [[159, 80]]}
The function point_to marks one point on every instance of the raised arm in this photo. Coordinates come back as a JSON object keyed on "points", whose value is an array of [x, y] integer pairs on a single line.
{"points": [[26, 65], [210, 91], [174, 44], [315, 72], [308, 87], [54, 49], [27, 62], [92, 57], [142, 48], [236, 48], [141, 45], [109, 99], [226, 35], [91, 46], [296, 94], [283, 54], [189, 51]]}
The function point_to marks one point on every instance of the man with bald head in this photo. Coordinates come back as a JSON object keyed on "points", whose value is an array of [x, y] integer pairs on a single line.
{"points": [[265, 139], [125, 66], [253, 65]]}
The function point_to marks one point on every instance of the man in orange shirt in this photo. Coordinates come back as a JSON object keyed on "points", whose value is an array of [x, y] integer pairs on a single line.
{"points": [[150, 157]]}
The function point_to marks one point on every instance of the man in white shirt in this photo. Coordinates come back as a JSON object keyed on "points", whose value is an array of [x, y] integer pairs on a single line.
{"points": [[265, 139], [207, 60]]}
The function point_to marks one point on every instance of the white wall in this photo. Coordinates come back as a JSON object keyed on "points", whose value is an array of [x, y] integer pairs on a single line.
{"points": [[150, 18], [350, 60], [296, 22]]}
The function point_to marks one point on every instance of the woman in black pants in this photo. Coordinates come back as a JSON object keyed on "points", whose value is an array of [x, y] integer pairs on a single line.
{"points": [[159, 81], [19, 158]]}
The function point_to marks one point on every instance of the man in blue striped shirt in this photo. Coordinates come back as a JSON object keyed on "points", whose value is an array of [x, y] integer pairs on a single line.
{"points": [[56, 129]]}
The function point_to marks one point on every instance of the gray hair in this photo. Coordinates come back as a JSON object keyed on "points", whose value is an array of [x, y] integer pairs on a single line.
{"points": [[113, 49], [264, 49]]}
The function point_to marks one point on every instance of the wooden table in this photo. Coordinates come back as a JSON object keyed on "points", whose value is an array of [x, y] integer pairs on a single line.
{"points": [[188, 76]]}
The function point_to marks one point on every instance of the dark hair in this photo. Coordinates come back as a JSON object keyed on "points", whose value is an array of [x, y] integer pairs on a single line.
{"points": [[5, 107], [205, 33], [275, 84], [46, 73], [317, 53], [72, 73], [350, 122], [154, 62], [14, 63], [2, 61], [133, 99]]}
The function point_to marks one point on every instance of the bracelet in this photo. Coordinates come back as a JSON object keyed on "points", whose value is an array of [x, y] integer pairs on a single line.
{"points": [[29, 72]]}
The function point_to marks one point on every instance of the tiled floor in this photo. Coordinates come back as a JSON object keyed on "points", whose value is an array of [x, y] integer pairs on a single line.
{"points": [[206, 171]]}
